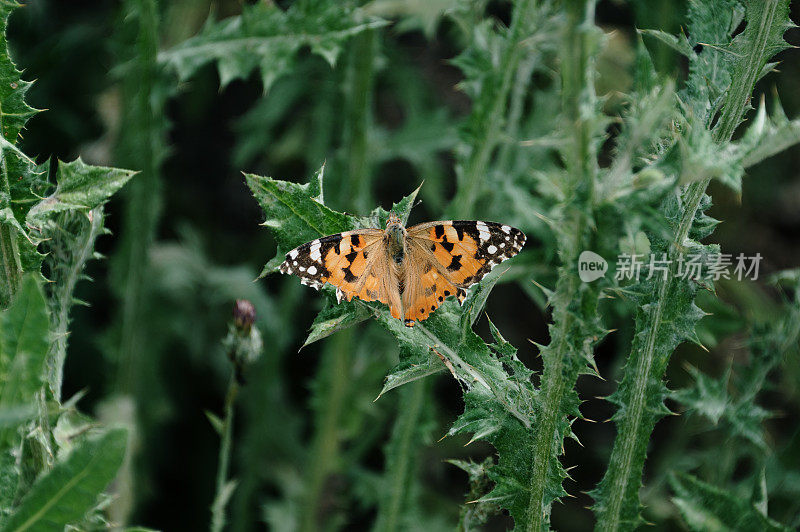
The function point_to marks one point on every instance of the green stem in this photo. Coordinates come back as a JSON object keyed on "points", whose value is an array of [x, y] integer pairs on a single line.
{"points": [[562, 361], [492, 115], [327, 439], [519, 94], [359, 116], [140, 147], [223, 490], [401, 458], [10, 264], [74, 254], [11, 272], [624, 471]]}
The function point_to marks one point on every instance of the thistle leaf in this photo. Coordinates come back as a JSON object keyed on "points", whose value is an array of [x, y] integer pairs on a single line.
{"points": [[69, 490], [24, 341], [706, 507], [79, 186], [267, 38]]}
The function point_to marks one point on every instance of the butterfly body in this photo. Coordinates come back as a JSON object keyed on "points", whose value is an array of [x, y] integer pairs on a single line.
{"points": [[412, 270]]}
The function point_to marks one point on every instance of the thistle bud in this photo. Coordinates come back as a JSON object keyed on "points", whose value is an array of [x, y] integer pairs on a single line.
{"points": [[244, 315]]}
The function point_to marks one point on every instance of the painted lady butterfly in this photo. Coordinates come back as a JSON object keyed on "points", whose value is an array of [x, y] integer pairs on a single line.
{"points": [[412, 270]]}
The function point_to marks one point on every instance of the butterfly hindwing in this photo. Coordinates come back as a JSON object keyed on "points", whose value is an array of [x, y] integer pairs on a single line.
{"points": [[343, 260], [425, 286]]}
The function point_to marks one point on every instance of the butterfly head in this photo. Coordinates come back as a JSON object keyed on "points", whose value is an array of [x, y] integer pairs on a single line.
{"points": [[395, 238], [393, 220]]}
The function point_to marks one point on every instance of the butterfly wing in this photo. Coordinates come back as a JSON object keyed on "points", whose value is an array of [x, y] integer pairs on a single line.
{"points": [[448, 256], [425, 284], [350, 261]]}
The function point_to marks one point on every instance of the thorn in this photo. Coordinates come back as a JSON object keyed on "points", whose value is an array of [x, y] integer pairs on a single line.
{"points": [[443, 437]]}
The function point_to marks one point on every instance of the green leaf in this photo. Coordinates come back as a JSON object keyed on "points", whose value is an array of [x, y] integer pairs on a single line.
{"points": [[705, 507], [768, 134], [79, 187], [24, 341], [414, 14], [14, 112], [65, 493], [336, 317], [267, 38], [295, 213]]}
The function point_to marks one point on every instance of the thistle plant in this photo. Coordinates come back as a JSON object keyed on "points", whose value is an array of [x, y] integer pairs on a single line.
{"points": [[669, 146], [54, 461], [537, 114]]}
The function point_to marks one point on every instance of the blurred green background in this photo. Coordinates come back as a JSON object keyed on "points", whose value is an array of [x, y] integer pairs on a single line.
{"points": [[209, 247]]}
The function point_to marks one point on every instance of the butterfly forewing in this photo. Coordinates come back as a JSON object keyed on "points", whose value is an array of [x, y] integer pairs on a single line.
{"points": [[467, 249], [344, 260]]}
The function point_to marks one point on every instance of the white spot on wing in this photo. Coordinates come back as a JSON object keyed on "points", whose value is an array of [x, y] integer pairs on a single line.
{"points": [[506, 229], [483, 231], [293, 254], [312, 270], [492, 249], [314, 251]]}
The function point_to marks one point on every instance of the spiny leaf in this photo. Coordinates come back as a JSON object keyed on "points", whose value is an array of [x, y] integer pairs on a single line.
{"points": [[414, 14], [705, 507], [768, 134], [65, 493], [295, 213], [489, 65], [79, 186], [335, 317], [24, 340], [14, 111], [267, 38]]}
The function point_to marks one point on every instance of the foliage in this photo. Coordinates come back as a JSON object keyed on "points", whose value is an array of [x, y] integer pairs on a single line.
{"points": [[54, 463], [266, 38], [531, 113]]}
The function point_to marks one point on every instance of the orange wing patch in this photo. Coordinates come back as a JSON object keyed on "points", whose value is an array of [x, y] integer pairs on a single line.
{"points": [[467, 250], [426, 287], [343, 260]]}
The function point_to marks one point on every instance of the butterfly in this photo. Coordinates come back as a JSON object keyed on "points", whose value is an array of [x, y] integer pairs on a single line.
{"points": [[410, 269]]}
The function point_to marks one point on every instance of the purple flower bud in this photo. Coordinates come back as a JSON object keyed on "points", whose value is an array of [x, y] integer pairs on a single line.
{"points": [[244, 314]]}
